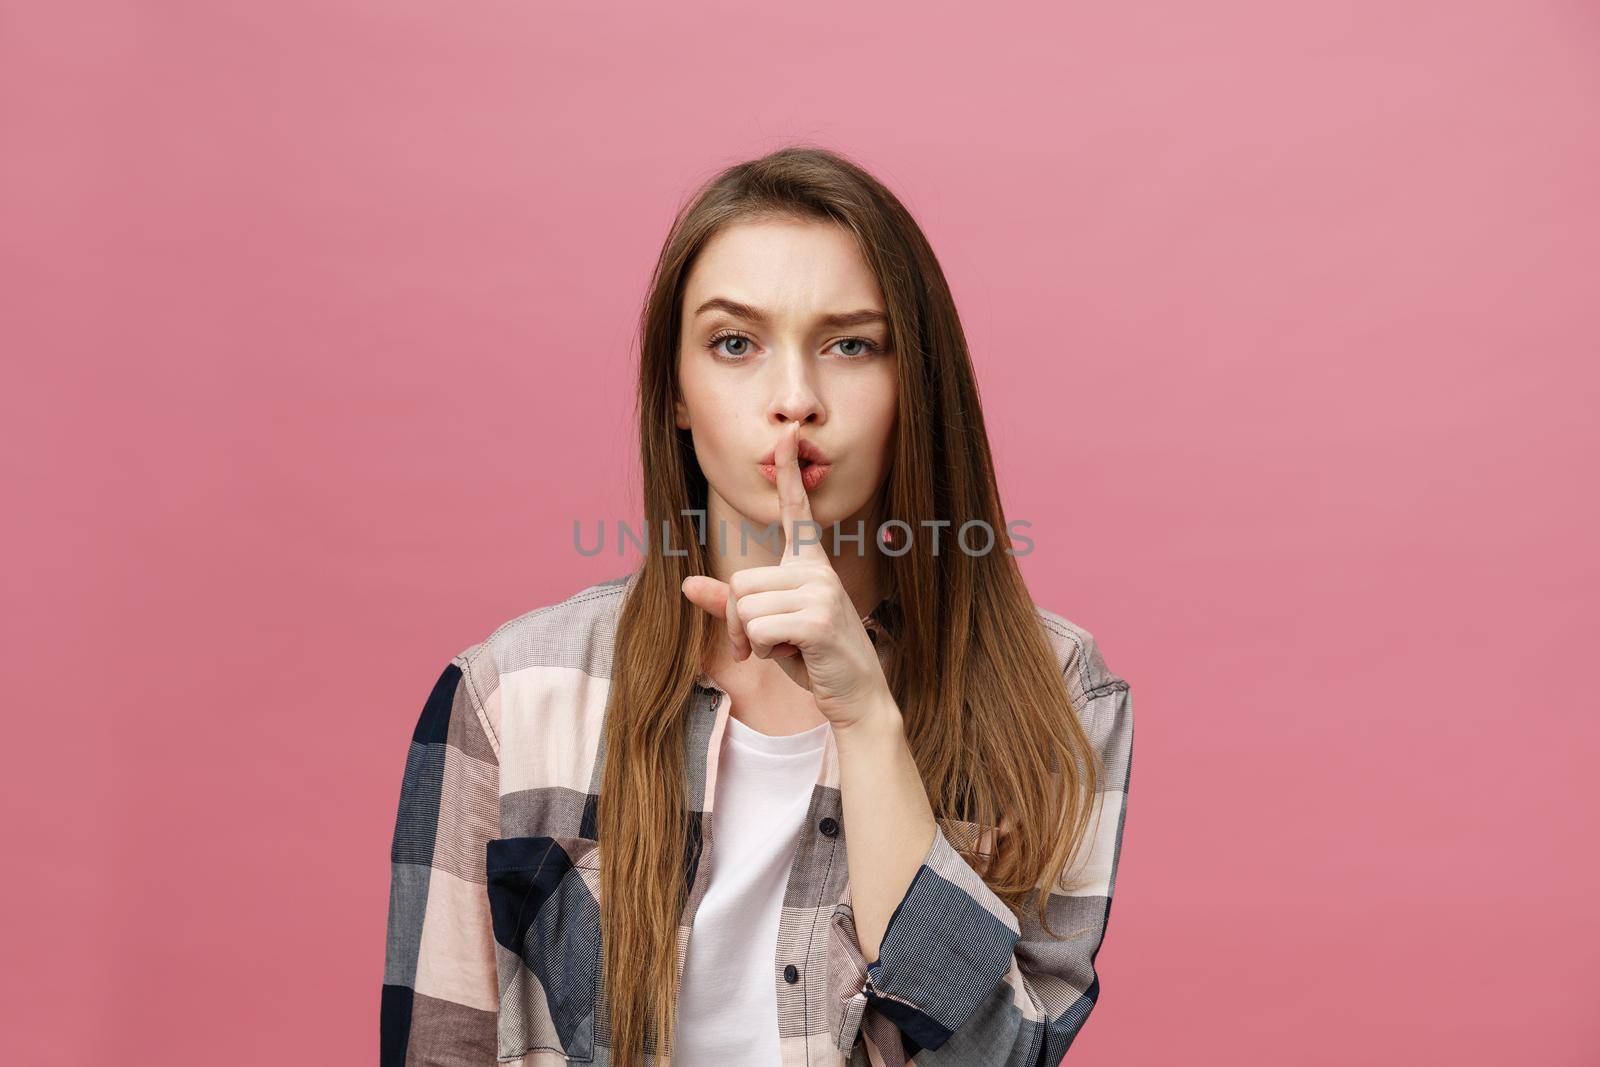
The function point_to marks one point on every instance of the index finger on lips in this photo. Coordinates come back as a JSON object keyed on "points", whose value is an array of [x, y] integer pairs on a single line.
{"points": [[794, 503]]}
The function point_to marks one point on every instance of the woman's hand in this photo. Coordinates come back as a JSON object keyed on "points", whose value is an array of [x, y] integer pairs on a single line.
{"points": [[798, 613]]}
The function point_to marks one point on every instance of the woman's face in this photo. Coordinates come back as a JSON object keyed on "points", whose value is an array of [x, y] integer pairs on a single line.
{"points": [[783, 322]]}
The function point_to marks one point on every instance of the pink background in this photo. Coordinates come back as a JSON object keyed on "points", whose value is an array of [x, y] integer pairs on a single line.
{"points": [[318, 331]]}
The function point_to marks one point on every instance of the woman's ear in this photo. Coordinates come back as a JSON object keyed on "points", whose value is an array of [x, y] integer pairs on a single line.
{"points": [[681, 411]]}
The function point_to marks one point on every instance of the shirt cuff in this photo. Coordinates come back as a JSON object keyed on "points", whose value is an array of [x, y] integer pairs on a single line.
{"points": [[949, 944]]}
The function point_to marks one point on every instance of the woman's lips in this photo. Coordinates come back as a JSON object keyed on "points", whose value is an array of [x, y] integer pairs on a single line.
{"points": [[810, 473]]}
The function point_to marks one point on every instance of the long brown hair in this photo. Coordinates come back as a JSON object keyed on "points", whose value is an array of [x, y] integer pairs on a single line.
{"points": [[986, 710]]}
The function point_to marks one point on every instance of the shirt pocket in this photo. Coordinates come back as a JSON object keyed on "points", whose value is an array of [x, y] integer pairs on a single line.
{"points": [[544, 903]]}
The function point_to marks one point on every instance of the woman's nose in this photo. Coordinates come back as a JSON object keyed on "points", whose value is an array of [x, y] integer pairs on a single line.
{"points": [[794, 394]]}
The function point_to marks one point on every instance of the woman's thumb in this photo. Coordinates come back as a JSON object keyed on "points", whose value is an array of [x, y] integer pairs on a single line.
{"points": [[707, 593]]}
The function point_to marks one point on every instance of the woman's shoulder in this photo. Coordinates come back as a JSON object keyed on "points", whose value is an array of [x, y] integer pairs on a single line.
{"points": [[1100, 697], [577, 631], [1078, 652]]}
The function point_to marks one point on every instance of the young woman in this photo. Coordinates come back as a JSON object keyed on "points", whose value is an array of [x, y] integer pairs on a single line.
{"points": [[818, 782]]}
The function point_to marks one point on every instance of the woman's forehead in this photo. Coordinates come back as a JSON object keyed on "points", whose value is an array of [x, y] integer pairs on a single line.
{"points": [[793, 270]]}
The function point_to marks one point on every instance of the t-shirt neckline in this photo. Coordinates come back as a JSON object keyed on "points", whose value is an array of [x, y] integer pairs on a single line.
{"points": [[809, 740]]}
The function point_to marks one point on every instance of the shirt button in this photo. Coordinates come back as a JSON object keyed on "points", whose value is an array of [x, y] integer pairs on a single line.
{"points": [[791, 974], [828, 826]]}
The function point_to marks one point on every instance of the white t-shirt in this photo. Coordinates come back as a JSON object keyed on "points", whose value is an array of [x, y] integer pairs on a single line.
{"points": [[728, 1003]]}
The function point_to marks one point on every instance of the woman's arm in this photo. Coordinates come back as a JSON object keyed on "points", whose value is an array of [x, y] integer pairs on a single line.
{"points": [[888, 820], [938, 943], [440, 990]]}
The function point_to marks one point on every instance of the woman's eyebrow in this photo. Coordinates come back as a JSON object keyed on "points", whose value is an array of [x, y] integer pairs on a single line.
{"points": [[865, 316]]}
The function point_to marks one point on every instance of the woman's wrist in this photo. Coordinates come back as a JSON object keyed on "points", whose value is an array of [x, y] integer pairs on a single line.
{"points": [[880, 723]]}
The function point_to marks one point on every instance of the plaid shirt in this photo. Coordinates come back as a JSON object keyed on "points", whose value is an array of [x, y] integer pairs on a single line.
{"points": [[493, 950]]}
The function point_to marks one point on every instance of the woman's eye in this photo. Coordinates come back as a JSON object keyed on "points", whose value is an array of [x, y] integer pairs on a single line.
{"points": [[866, 349], [716, 341], [858, 348]]}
